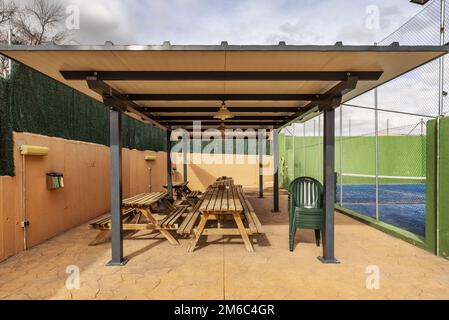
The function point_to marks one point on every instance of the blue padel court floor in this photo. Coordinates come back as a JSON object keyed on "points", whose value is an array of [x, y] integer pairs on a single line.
{"points": [[401, 205]]}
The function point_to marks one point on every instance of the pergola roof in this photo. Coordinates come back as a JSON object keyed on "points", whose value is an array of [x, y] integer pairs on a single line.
{"points": [[264, 86]]}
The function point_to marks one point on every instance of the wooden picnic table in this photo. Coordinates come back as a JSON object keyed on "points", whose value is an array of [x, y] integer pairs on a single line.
{"points": [[184, 193], [218, 203], [181, 189], [139, 214]]}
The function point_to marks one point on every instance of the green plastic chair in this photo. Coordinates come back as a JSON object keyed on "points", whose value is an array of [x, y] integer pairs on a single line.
{"points": [[305, 207]]}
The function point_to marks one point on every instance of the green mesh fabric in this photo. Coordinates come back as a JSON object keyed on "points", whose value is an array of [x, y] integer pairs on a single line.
{"points": [[6, 143], [34, 103]]}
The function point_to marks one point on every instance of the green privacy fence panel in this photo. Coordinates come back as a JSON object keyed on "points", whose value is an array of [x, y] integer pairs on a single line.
{"points": [[398, 156], [6, 127], [433, 218], [31, 102]]}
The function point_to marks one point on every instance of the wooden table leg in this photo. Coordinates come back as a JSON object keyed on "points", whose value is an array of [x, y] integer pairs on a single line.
{"points": [[199, 232], [165, 233], [169, 237], [243, 233]]}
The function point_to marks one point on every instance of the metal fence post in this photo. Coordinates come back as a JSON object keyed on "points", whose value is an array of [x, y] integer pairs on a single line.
{"points": [[341, 156], [285, 163], [376, 151], [305, 150], [319, 175], [440, 113], [294, 151]]}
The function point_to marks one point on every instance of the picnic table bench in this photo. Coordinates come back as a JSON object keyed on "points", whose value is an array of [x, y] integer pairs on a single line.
{"points": [[223, 200], [253, 221], [138, 214]]}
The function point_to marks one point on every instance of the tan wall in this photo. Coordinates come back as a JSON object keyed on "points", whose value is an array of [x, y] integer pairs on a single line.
{"points": [[86, 194], [243, 168]]}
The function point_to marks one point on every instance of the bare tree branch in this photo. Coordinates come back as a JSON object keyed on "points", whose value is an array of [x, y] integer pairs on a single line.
{"points": [[41, 22], [38, 22], [7, 11]]}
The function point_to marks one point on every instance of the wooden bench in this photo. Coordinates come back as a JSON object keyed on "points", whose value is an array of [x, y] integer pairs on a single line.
{"points": [[104, 223], [193, 194], [190, 220], [250, 214], [170, 221], [138, 215]]}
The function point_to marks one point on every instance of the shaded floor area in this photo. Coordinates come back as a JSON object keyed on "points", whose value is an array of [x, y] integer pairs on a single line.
{"points": [[223, 269]]}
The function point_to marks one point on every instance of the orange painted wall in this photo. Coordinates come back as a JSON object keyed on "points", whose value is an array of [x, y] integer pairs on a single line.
{"points": [[243, 168], [86, 194]]}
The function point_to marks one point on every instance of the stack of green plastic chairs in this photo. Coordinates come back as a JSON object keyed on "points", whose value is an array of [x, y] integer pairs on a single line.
{"points": [[305, 207]]}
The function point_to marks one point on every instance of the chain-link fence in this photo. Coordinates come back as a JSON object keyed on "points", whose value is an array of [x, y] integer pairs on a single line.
{"points": [[380, 137]]}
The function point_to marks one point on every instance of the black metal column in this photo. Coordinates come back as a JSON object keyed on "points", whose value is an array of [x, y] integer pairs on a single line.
{"points": [[116, 188], [185, 150], [169, 166], [276, 170], [329, 187], [261, 149]]}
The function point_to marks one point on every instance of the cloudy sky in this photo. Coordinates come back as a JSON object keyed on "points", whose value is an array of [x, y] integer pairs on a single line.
{"points": [[240, 21], [271, 21]]}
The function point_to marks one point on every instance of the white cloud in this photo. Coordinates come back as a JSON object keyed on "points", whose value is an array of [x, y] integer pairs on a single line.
{"points": [[268, 22]]}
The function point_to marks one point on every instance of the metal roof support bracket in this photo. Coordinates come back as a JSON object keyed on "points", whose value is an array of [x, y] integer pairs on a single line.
{"points": [[114, 99]]}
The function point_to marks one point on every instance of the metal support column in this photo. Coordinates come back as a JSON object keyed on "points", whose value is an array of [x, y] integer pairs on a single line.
{"points": [[276, 170], [261, 139], [116, 189], [185, 151], [329, 187], [169, 167]]}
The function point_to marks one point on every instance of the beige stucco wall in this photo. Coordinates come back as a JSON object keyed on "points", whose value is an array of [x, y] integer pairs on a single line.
{"points": [[203, 170], [86, 193]]}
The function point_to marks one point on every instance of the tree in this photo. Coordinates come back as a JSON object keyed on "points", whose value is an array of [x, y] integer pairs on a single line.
{"points": [[7, 12], [35, 23], [40, 22]]}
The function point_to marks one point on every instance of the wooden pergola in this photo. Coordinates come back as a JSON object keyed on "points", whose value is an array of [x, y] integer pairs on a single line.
{"points": [[264, 86]]}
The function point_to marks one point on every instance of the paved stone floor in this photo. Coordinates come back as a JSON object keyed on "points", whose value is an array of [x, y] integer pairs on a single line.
{"points": [[223, 269]]}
